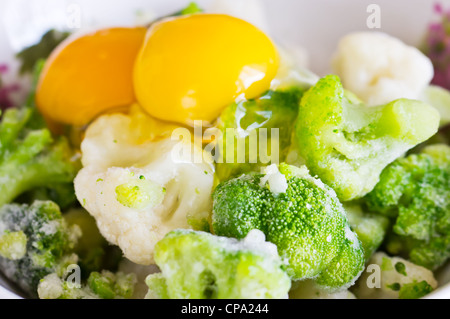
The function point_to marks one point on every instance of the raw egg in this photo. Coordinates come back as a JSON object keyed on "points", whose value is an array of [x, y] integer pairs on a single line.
{"points": [[89, 75], [190, 68]]}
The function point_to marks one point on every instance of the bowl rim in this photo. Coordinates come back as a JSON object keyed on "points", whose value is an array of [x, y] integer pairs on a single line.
{"points": [[5, 293]]}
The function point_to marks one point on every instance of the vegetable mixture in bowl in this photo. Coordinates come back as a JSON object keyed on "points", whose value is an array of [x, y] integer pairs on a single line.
{"points": [[148, 162]]}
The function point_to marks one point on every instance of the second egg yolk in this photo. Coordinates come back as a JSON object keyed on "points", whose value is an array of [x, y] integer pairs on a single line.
{"points": [[190, 68]]}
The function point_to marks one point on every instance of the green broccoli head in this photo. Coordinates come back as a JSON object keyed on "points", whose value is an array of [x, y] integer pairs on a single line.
{"points": [[348, 144], [191, 8], [371, 228], [62, 194], [245, 124], [30, 158], [93, 251], [199, 265], [34, 242], [300, 215], [415, 192], [30, 56], [100, 285]]}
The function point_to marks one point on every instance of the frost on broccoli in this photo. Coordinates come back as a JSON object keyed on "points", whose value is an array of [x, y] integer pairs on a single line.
{"points": [[306, 222], [348, 145], [199, 265], [31, 158], [371, 228], [415, 192], [393, 278], [13, 245], [245, 125], [34, 242], [100, 285], [138, 187]]}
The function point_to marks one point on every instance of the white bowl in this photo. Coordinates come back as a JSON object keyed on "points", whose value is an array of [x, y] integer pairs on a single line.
{"points": [[313, 25]]}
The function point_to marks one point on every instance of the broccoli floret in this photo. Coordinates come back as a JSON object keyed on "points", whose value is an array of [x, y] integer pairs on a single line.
{"points": [[36, 242], [241, 126], [441, 137], [306, 222], [348, 144], [414, 290], [199, 265], [30, 56], [104, 285], [439, 98], [308, 289], [93, 251], [393, 278], [62, 194], [158, 287], [415, 192], [371, 228], [190, 9], [13, 245], [31, 158]]}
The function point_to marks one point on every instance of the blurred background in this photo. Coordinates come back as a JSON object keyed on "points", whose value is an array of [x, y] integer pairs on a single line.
{"points": [[314, 25]]}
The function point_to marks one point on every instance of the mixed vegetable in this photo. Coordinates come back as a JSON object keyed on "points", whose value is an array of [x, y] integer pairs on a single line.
{"points": [[342, 191]]}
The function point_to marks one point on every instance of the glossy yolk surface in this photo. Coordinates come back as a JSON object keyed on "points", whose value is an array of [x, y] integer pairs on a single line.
{"points": [[190, 68], [86, 76]]}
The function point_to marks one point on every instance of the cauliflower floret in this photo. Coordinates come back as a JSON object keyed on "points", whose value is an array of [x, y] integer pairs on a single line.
{"points": [[379, 68], [139, 191], [392, 278]]}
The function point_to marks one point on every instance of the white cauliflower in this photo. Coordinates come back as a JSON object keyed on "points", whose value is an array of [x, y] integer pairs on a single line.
{"points": [[139, 190], [393, 277], [379, 68]]}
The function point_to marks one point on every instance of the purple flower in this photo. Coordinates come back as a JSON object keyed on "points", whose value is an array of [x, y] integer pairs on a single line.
{"points": [[6, 90], [3, 68], [5, 95], [437, 46]]}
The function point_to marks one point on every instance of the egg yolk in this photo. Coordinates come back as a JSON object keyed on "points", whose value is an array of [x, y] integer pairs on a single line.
{"points": [[86, 76], [190, 68]]}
